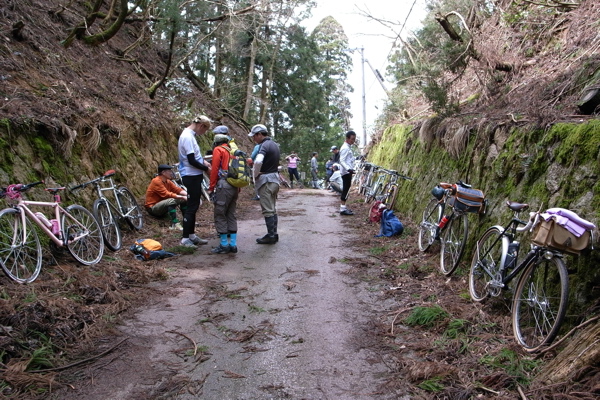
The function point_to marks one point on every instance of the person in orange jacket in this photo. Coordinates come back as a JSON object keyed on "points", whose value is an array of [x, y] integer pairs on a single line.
{"points": [[163, 196]]}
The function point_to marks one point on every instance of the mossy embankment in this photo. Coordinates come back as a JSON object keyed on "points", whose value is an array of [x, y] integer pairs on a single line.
{"points": [[554, 167]]}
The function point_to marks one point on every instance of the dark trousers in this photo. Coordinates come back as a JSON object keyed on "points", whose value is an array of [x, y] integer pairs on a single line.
{"points": [[293, 173], [347, 182], [193, 183]]}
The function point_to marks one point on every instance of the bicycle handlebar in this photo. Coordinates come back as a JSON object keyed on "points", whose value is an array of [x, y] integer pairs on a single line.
{"points": [[18, 187], [107, 174]]}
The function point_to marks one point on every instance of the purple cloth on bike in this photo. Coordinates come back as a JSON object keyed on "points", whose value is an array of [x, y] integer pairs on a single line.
{"points": [[569, 220]]}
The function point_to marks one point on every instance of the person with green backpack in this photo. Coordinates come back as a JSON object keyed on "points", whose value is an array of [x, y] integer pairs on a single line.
{"points": [[223, 193]]}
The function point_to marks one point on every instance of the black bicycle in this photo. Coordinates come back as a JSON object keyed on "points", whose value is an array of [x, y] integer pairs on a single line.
{"points": [[540, 296]]}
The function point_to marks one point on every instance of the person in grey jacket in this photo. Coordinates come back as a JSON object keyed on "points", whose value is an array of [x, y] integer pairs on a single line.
{"points": [[314, 168]]}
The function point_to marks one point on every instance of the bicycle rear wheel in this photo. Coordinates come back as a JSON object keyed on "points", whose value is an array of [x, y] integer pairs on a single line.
{"points": [[428, 227], [83, 236], [453, 240], [540, 302], [485, 265], [108, 224], [20, 260], [130, 209]]}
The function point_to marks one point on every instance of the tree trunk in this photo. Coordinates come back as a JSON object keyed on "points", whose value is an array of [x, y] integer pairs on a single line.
{"points": [[250, 82], [583, 351]]}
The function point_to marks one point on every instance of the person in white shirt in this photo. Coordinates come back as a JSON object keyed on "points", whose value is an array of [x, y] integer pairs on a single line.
{"points": [[192, 167], [347, 170], [335, 181]]}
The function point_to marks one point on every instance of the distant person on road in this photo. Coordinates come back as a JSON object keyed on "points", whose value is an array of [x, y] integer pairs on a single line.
{"points": [[347, 170], [329, 169], [314, 169], [335, 182], [163, 196], [225, 195], [267, 180], [191, 167], [293, 161]]}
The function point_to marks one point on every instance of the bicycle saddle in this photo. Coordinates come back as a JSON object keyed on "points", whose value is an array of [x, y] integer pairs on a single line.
{"points": [[54, 190], [518, 207], [465, 185]]}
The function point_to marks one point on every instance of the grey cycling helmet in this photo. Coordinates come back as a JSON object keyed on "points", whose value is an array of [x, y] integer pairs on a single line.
{"points": [[437, 192]]}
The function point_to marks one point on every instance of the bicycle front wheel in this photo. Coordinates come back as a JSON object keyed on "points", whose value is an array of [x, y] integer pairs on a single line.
{"points": [[82, 235], [130, 209], [390, 193], [428, 227], [20, 249], [540, 302], [485, 265], [108, 224], [453, 242]]}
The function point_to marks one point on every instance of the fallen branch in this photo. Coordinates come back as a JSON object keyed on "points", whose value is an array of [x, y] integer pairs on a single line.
{"points": [[188, 338], [396, 317], [81, 361], [555, 345]]}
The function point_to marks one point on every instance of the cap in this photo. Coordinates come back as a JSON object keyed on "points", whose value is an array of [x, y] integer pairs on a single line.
{"points": [[257, 129], [221, 129], [202, 119], [163, 167], [333, 148], [219, 138]]}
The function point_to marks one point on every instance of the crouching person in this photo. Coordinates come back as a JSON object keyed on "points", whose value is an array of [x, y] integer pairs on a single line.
{"points": [[163, 196]]}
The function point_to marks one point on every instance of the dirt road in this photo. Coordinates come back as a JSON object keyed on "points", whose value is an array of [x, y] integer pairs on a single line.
{"points": [[277, 321]]}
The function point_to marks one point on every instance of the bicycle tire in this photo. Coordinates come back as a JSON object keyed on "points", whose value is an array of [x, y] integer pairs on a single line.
{"points": [[428, 227], [485, 265], [540, 302], [130, 209], [20, 262], [83, 238], [453, 243], [111, 232], [391, 192]]}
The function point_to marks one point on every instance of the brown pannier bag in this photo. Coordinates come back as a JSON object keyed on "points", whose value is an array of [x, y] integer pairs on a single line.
{"points": [[468, 200], [552, 235]]}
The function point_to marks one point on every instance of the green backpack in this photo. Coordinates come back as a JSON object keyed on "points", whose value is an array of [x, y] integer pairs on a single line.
{"points": [[239, 173]]}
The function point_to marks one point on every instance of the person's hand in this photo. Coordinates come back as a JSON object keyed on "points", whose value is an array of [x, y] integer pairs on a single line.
{"points": [[351, 171]]}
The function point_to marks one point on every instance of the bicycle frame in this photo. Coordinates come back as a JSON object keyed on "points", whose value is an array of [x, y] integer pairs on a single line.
{"points": [[25, 212], [508, 235]]}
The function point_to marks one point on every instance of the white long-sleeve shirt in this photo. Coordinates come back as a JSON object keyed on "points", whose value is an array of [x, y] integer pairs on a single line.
{"points": [[346, 158]]}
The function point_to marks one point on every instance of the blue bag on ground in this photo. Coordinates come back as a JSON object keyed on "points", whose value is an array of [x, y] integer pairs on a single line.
{"points": [[390, 224]]}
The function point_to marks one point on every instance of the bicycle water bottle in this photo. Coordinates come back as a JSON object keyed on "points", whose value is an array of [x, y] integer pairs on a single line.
{"points": [[444, 221], [511, 255], [43, 218], [55, 229]]}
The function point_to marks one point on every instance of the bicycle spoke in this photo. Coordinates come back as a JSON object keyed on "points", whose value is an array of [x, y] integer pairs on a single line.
{"points": [[540, 302], [20, 257], [485, 265]]}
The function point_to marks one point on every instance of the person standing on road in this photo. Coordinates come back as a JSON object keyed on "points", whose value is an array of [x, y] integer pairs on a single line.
{"points": [[314, 168], [225, 195], [336, 154], [191, 168], [267, 180], [347, 170], [163, 196], [292, 161]]}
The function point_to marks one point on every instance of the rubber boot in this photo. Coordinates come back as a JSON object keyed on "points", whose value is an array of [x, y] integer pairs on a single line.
{"points": [[269, 238], [275, 229]]}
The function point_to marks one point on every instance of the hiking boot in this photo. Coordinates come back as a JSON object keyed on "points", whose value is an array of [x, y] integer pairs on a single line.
{"points": [[188, 243], [346, 212], [269, 238], [222, 249], [233, 249], [176, 226], [198, 241]]}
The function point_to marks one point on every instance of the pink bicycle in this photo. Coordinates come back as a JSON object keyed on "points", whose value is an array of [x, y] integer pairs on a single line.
{"points": [[73, 227]]}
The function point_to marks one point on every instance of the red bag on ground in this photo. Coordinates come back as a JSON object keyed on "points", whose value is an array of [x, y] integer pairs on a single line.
{"points": [[376, 211]]}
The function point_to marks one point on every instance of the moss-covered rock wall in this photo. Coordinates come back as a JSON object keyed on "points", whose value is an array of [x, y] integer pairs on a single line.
{"points": [[554, 167]]}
